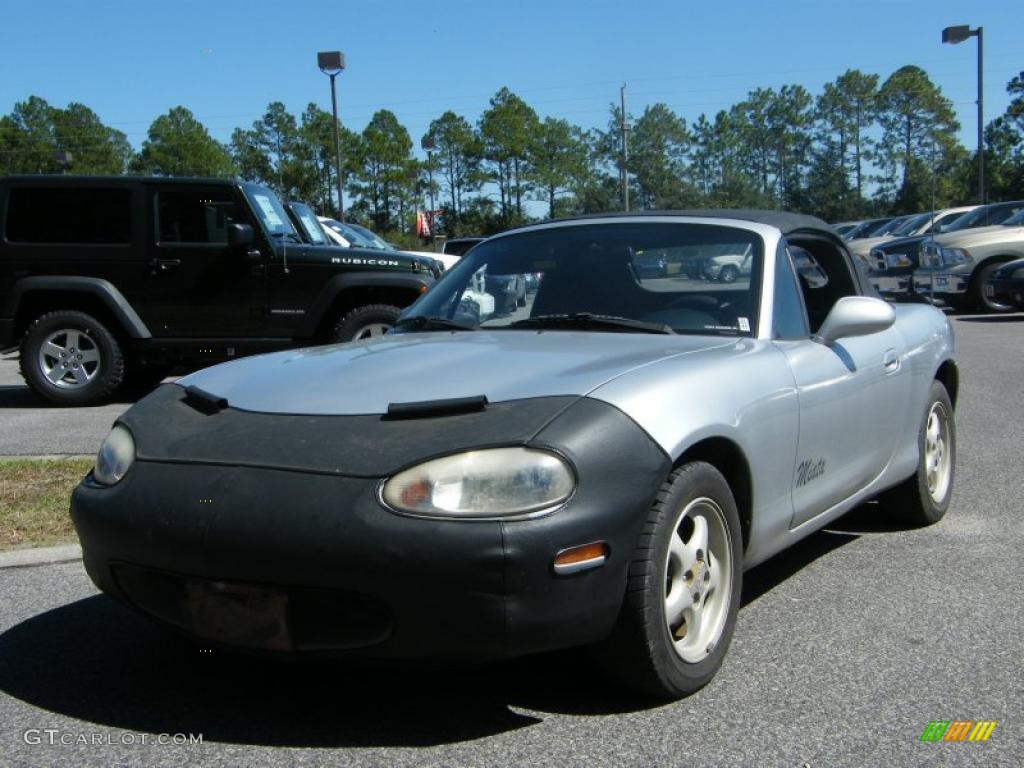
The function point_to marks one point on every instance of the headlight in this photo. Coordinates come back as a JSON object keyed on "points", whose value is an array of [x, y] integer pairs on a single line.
{"points": [[898, 260], [937, 256], [116, 456], [491, 482]]}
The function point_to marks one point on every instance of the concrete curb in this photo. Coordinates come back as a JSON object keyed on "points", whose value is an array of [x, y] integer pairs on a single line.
{"points": [[22, 558]]}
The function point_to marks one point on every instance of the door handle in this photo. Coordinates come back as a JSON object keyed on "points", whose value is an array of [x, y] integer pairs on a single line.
{"points": [[891, 361], [164, 265]]}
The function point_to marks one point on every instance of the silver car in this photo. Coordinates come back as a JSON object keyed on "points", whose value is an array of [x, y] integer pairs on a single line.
{"points": [[596, 468]]}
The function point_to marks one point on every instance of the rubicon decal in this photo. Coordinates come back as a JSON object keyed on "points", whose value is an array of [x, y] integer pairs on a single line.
{"points": [[809, 470], [958, 730], [364, 262]]}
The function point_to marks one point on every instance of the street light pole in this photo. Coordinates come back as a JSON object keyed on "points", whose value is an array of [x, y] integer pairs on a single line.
{"points": [[625, 150], [332, 63], [958, 34]]}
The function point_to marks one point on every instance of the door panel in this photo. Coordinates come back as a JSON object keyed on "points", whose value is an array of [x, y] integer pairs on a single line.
{"points": [[850, 410], [197, 286]]}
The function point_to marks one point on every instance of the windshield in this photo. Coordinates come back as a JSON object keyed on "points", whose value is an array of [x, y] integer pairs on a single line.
{"points": [[1016, 220], [269, 209], [984, 216], [307, 220], [635, 276], [912, 224], [370, 239]]}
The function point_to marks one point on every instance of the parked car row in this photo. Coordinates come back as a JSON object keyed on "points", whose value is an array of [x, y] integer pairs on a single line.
{"points": [[949, 255]]}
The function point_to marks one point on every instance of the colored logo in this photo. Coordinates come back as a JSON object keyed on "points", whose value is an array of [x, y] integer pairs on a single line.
{"points": [[958, 730]]}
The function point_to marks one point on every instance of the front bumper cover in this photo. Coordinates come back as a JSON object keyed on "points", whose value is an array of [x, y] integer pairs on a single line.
{"points": [[348, 575]]}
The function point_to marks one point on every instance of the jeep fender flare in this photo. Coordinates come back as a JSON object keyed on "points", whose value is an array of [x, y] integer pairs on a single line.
{"points": [[416, 284], [101, 289]]}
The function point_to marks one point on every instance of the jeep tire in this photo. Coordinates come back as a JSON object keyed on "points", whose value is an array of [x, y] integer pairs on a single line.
{"points": [[71, 358], [366, 322]]}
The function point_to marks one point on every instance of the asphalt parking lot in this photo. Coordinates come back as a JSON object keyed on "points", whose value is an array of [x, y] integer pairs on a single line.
{"points": [[846, 647]]}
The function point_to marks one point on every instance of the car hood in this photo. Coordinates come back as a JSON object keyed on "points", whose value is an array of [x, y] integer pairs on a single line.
{"points": [[980, 236], [365, 377], [901, 244], [863, 246]]}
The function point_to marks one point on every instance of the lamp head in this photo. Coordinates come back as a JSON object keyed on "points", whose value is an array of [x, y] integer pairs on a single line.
{"points": [[330, 61], [956, 34]]}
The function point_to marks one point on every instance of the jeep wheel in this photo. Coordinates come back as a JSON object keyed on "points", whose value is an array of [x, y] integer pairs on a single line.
{"points": [[71, 358], [683, 589], [729, 274], [366, 322]]}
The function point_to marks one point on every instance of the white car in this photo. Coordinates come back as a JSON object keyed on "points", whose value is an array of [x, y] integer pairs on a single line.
{"points": [[729, 267], [350, 235]]}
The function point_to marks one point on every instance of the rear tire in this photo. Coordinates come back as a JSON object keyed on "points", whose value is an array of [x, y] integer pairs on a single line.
{"points": [[923, 498], [683, 589], [729, 274], [371, 321], [71, 358]]}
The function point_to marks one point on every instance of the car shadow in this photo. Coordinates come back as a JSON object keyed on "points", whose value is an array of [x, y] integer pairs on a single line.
{"points": [[20, 396], [1017, 318], [765, 577], [97, 661]]}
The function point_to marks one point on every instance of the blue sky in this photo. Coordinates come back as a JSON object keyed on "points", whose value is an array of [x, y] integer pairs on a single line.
{"points": [[131, 61]]}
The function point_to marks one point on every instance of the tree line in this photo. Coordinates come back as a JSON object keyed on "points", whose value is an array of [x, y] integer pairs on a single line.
{"points": [[859, 148]]}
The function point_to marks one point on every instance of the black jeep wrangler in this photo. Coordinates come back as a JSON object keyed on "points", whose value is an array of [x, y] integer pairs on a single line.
{"points": [[108, 279]]}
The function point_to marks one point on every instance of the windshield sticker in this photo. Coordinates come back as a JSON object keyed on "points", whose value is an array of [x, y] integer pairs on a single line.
{"points": [[312, 227], [744, 324], [268, 211]]}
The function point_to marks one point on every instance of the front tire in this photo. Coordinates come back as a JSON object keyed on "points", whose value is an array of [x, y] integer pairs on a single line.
{"points": [[71, 358], [683, 589], [982, 302], [371, 321], [729, 274], [923, 498]]}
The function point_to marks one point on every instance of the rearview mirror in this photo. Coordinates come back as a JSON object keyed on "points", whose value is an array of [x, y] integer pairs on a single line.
{"points": [[855, 316], [240, 235]]}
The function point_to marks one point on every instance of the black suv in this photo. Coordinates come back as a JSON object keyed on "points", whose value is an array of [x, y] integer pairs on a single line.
{"points": [[104, 279]]}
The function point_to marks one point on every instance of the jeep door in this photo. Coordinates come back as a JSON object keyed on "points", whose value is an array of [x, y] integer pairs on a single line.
{"points": [[198, 286]]}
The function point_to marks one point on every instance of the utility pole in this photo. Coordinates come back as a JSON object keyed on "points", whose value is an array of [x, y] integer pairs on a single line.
{"points": [[625, 150], [981, 120]]}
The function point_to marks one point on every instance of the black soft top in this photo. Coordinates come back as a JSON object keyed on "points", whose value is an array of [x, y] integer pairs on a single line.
{"points": [[784, 221]]}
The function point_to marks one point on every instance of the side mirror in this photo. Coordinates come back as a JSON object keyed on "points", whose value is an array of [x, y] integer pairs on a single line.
{"points": [[855, 316], [240, 235]]}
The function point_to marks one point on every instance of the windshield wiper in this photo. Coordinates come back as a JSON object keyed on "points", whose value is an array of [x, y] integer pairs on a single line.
{"points": [[292, 235], [432, 323], [589, 319]]}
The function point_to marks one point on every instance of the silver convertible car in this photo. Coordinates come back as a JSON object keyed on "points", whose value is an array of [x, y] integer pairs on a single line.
{"points": [[595, 468]]}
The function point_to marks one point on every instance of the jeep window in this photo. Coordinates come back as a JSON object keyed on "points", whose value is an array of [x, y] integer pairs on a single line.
{"points": [[86, 215], [195, 215], [271, 212], [587, 275], [309, 223]]}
